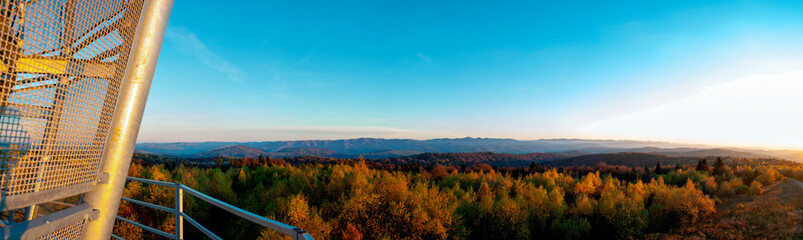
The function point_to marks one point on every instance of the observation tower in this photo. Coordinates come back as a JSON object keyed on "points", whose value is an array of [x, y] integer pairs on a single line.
{"points": [[74, 79]]}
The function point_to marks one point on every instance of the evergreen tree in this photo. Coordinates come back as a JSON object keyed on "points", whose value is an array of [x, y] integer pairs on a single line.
{"points": [[702, 165], [261, 159], [677, 166], [218, 162], [658, 168], [719, 167]]}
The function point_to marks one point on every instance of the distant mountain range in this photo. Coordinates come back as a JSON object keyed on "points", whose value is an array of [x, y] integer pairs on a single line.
{"points": [[377, 148]]}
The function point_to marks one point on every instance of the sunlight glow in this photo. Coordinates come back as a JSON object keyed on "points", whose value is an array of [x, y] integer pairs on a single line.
{"points": [[755, 110]]}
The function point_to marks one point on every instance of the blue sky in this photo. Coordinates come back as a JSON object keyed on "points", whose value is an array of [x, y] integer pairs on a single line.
{"points": [[287, 70]]}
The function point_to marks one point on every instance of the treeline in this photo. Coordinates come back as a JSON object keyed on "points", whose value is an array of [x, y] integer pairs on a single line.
{"points": [[639, 159], [495, 159], [346, 199], [500, 160], [491, 158]]}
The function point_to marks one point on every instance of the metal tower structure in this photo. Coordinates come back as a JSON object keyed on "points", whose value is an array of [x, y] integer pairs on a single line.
{"points": [[74, 78]]}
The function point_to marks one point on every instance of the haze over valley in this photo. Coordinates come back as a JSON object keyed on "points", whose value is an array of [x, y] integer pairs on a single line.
{"points": [[375, 148]]}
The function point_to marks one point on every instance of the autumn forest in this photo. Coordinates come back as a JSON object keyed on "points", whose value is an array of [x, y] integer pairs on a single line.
{"points": [[359, 199]]}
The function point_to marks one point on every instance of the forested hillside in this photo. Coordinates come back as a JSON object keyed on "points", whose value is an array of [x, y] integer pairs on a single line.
{"points": [[496, 159], [624, 158]]}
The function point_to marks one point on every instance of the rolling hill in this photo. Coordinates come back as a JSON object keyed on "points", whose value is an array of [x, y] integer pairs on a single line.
{"points": [[490, 158], [625, 158], [233, 151]]}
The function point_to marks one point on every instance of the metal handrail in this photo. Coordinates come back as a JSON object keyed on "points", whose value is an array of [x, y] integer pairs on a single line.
{"points": [[178, 211]]}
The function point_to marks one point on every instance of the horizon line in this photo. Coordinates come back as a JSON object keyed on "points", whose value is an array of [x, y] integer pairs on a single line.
{"points": [[709, 145]]}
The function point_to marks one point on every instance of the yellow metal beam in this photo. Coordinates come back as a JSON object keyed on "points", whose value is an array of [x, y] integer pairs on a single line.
{"points": [[62, 67]]}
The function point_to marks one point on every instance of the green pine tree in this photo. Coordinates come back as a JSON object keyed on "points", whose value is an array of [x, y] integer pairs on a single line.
{"points": [[719, 167], [702, 165], [658, 168]]}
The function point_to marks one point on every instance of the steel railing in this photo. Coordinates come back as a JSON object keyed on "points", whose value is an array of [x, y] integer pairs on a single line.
{"points": [[178, 211]]}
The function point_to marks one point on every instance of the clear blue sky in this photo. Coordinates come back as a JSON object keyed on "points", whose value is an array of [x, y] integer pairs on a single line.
{"points": [[692, 71]]}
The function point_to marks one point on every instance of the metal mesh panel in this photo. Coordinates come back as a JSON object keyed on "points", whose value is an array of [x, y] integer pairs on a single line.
{"points": [[72, 231], [61, 64]]}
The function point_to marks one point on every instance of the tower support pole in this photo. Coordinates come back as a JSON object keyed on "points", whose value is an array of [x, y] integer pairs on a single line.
{"points": [[127, 118]]}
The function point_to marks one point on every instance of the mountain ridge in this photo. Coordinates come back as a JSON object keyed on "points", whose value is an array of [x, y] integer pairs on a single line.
{"points": [[383, 148]]}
